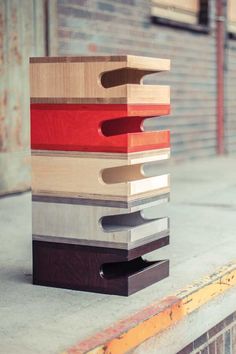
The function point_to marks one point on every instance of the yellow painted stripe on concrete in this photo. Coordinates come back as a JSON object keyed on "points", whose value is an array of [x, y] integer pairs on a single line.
{"points": [[131, 332], [142, 331], [208, 288]]}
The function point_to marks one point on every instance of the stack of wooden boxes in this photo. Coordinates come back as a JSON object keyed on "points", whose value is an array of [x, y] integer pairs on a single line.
{"points": [[92, 172]]}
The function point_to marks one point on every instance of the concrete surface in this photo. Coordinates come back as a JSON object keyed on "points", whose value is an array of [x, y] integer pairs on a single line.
{"points": [[190, 328], [45, 320]]}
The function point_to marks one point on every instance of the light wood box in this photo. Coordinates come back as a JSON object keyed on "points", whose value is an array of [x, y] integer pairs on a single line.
{"points": [[102, 79]]}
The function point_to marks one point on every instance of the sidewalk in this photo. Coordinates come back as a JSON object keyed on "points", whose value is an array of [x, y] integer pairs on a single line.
{"points": [[203, 224]]}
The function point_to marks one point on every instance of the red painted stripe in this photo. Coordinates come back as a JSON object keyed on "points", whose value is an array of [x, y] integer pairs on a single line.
{"points": [[124, 326], [108, 128]]}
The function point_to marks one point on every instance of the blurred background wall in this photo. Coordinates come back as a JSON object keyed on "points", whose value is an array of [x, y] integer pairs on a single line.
{"points": [[21, 35], [183, 31]]}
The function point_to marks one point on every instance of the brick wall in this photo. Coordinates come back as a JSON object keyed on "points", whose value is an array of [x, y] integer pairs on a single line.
{"points": [[220, 339], [124, 26]]}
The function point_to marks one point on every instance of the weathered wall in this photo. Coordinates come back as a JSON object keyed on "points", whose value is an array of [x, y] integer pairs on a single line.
{"points": [[230, 119], [124, 26], [21, 35]]}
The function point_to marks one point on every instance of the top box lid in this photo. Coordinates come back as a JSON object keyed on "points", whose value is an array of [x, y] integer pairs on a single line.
{"points": [[98, 79]]}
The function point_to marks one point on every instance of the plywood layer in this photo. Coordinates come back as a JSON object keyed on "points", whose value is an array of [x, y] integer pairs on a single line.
{"points": [[107, 79], [126, 205], [90, 175], [96, 127], [96, 269], [128, 61], [88, 224], [115, 159]]}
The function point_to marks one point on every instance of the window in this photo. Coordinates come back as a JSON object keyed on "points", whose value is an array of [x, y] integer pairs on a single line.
{"points": [[232, 17], [191, 14]]}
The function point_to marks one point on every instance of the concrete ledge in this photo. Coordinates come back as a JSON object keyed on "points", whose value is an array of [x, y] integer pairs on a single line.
{"points": [[47, 320], [127, 334]]}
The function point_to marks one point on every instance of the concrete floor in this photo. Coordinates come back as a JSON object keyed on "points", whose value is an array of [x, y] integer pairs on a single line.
{"points": [[36, 319]]}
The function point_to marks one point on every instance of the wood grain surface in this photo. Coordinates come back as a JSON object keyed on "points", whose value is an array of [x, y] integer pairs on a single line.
{"points": [[129, 61], [94, 223], [115, 128], [96, 269], [82, 174], [87, 80]]}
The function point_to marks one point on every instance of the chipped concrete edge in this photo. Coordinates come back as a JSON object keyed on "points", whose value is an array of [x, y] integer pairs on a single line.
{"points": [[127, 334]]}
